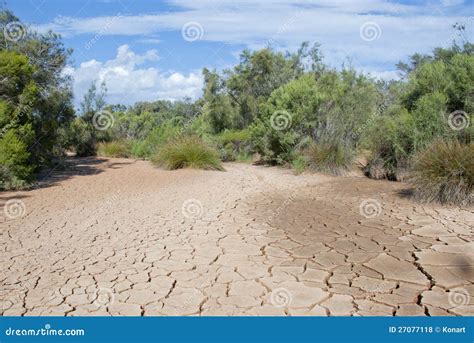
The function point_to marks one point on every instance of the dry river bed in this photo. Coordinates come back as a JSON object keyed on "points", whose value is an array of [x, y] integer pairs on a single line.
{"points": [[120, 237]]}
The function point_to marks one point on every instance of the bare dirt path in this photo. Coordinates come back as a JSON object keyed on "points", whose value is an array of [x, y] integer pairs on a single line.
{"points": [[119, 237]]}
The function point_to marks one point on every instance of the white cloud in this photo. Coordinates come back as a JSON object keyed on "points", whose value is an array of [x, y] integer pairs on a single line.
{"points": [[405, 28], [127, 82]]}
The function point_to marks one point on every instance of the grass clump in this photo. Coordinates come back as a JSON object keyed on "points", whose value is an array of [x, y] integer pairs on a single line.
{"points": [[187, 152], [329, 157], [114, 149], [444, 172]]}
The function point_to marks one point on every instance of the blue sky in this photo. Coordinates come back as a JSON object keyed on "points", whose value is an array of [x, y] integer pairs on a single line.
{"points": [[146, 50]]}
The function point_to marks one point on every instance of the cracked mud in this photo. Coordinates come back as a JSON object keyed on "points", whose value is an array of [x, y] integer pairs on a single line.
{"points": [[112, 237]]}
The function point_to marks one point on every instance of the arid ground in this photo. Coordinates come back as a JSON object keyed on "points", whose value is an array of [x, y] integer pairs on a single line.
{"points": [[121, 237]]}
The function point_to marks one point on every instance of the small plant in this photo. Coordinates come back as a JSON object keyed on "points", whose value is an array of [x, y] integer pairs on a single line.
{"points": [[444, 172], [299, 164], [187, 152], [114, 149], [331, 157]]}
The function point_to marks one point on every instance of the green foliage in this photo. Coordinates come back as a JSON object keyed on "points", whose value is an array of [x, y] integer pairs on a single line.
{"points": [[391, 141], [313, 109], [444, 172], [331, 157], [234, 145], [119, 148], [187, 152], [81, 139], [232, 100], [155, 140], [437, 86], [15, 170], [35, 103], [299, 164]]}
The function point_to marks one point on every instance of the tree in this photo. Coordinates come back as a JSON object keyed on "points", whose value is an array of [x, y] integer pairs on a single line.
{"points": [[17, 102]]}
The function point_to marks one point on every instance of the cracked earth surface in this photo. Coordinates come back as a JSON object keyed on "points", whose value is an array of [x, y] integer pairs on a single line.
{"points": [[110, 238]]}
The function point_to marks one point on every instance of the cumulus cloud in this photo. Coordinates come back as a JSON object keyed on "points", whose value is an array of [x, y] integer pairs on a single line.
{"points": [[129, 81]]}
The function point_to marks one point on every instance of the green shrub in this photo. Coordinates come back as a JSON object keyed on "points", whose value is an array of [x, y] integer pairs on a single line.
{"points": [[15, 169], [233, 145], [444, 172], [391, 139], [316, 108], [331, 157], [187, 152], [155, 140], [114, 149], [81, 138], [299, 164]]}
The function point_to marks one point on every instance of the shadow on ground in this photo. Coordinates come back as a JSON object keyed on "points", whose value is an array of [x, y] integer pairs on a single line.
{"points": [[74, 166]]}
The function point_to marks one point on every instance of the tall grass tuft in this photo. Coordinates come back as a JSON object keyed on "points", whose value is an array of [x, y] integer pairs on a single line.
{"points": [[187, 152], [330, 157], [114, 149], [444, 172]]}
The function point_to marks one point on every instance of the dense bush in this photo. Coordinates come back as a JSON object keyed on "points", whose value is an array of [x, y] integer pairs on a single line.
{"points": [[35, 104], [156, 139], [81, 138], [437, 86], [444, 172], [16, 120], [114, 149], [234, 145], [313, 108], [15, 171], [187, 152]]}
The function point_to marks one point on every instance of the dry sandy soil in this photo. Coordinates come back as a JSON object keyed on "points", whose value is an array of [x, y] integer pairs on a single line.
{"points": [[120, 237]]}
